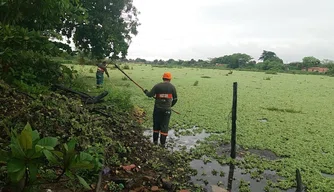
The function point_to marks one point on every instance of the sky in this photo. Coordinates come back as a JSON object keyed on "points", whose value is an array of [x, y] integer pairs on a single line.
{"points": [[203, 29]]}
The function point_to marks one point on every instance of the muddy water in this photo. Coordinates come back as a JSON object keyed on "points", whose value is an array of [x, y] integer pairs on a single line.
{"points": [[327, 175], [177, 142], [204, 173]]}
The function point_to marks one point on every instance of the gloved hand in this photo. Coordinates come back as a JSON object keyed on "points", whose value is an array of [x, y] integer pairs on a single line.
{"points": [[145, 91]]}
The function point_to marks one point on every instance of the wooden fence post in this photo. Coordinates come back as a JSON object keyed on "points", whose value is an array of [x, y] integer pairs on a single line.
{"points": [[299, 181], [234, 119], [230, 177]]}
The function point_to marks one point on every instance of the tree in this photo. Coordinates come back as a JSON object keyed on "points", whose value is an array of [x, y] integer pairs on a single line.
{"points": [[310, 62], [327, 62], [233, 61], [295, 65], [170, 61], [139, 60], [269, 56], [330, 71], [29, 28], [107, 29]]}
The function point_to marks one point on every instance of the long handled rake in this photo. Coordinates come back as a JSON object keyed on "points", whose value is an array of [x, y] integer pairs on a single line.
{"points": [[138, 84]]}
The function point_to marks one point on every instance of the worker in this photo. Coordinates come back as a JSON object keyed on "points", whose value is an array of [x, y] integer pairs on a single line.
{"points": [[165, 98], [101, 68]]}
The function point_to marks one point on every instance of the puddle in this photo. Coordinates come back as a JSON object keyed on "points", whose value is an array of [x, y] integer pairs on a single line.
{"points": [[177, 141], [228, 177], [264, 153], [263, 120], [327, 175], [226, 149]]}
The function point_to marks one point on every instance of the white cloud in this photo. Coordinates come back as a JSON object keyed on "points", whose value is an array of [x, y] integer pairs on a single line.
{"points": [[185, 29]]}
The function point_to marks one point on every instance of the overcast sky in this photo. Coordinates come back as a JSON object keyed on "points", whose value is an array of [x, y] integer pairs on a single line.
{"points": [[202, 29]]}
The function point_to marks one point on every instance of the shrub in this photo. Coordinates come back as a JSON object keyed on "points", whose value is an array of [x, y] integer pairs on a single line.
{"points": [[196, 83], [28, 153], [120, 99], [91, 70], [267, 78], [126, 66], [271, 72]]}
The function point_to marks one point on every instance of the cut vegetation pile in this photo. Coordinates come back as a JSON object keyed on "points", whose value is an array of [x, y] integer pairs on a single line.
{"points": [[122, 157]]}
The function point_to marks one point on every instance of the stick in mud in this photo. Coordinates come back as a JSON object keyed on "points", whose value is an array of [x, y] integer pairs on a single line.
{"points": [[234, 119]]}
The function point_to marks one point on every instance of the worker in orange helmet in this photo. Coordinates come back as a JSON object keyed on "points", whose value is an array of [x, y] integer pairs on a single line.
{"points": [[165, 98]]}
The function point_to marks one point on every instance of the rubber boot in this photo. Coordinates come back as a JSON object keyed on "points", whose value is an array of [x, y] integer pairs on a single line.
{"points": [[163, 140], [155, 138]]}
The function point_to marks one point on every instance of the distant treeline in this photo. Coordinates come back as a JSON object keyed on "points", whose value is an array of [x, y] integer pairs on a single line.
{"points": [[269, 61]]}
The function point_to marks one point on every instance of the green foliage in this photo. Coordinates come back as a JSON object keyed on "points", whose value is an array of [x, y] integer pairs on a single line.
{"points": [[270, 65], [310, 62], [271, 72], [27, 42], [244, 186], [233, 61], [120, 99], [34, 89], [270, 56], [23, 159], [112, 186], [331, 70], [126, 67], [91, 70], [98, 32], [27, 151]]}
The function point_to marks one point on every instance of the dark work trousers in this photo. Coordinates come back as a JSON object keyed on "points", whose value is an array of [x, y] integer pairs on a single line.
{"points": [[99, 78], [161, 119]]}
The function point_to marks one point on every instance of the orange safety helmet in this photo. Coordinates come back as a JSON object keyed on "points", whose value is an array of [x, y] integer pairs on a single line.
{"points": [[167, 75]]}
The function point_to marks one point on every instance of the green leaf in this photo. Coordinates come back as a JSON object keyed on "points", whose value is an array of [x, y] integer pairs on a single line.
{"points": [[69, 174], [17, 150], [32, 154], [48, 141], [38, 148], [58, 154], [71, 144], [15, 165], [26, 137], [33, 170], [17, 176], [65, 147], [50, 157], [35, 135], [83, 182], [85, 157], [49, 148]]}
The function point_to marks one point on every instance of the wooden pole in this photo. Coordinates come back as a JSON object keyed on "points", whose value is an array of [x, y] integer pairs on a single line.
{"points": [[230, 177], [234, 119], [299, 181]]}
